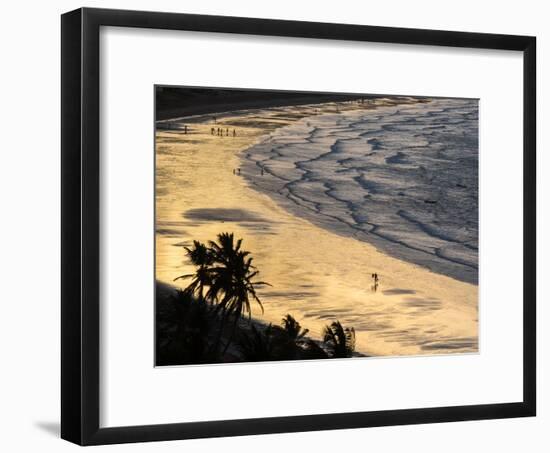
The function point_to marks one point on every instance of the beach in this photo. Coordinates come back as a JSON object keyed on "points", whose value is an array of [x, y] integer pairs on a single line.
{"points": [[207, 183]]}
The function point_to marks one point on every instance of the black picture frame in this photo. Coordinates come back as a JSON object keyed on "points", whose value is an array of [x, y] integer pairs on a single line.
{"points": [[80, 264]]}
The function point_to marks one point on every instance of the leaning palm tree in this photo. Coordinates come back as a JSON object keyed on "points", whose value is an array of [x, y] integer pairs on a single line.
{"points": [[293, 329], [339, 341], [201, 257], [289, 339]]}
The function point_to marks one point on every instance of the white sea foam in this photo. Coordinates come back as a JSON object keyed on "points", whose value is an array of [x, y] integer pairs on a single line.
{"points": [[402, 177]]}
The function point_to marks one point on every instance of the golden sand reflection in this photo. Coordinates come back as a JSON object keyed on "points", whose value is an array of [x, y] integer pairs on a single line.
{"points": [[316, 275]]}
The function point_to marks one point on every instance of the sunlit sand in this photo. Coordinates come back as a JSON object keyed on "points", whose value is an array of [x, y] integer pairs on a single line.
{"points": [[316, 275]]}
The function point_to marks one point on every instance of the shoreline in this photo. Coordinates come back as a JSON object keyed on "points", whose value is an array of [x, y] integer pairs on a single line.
{"points": [[414, 312], [277, 186]]}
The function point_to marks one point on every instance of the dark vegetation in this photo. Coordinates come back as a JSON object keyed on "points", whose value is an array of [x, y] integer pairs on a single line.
{"points": [[210, 321], [174, 101]]}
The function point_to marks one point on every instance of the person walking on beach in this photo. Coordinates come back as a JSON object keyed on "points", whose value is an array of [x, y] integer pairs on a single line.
{"points": [[375, 278], [185, 129], [234, 133], [212, 131], [239, 170]]}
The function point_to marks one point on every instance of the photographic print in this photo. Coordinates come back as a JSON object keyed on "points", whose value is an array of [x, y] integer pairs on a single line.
{"points": [[299, 225]]}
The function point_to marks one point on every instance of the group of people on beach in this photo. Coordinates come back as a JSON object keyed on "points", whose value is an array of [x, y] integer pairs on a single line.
{"points": [[215, 131], [219, 131]]}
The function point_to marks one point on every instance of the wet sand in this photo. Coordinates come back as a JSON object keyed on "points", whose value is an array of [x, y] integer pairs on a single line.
{"points": [[316, 275]]}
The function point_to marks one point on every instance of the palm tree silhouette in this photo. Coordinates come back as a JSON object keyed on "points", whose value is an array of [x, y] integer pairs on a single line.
{"points": [[339, 341], [224, 287], [289, 339], [293, 329], [202, 258], [232, 286]]}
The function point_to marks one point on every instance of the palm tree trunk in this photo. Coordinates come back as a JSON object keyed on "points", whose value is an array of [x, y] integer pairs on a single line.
{"points": [[232, 334], [219, 334]]}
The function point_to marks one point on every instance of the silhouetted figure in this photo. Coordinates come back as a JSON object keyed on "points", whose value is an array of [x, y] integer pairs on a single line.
{"points": [[214, 120], [212, 131], [185, 129], [239, 170], [234, 133], [376, 280], [233, 171]]}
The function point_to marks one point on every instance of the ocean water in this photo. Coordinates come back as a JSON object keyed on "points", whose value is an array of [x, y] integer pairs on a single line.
{"points": [[402, 177]]}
